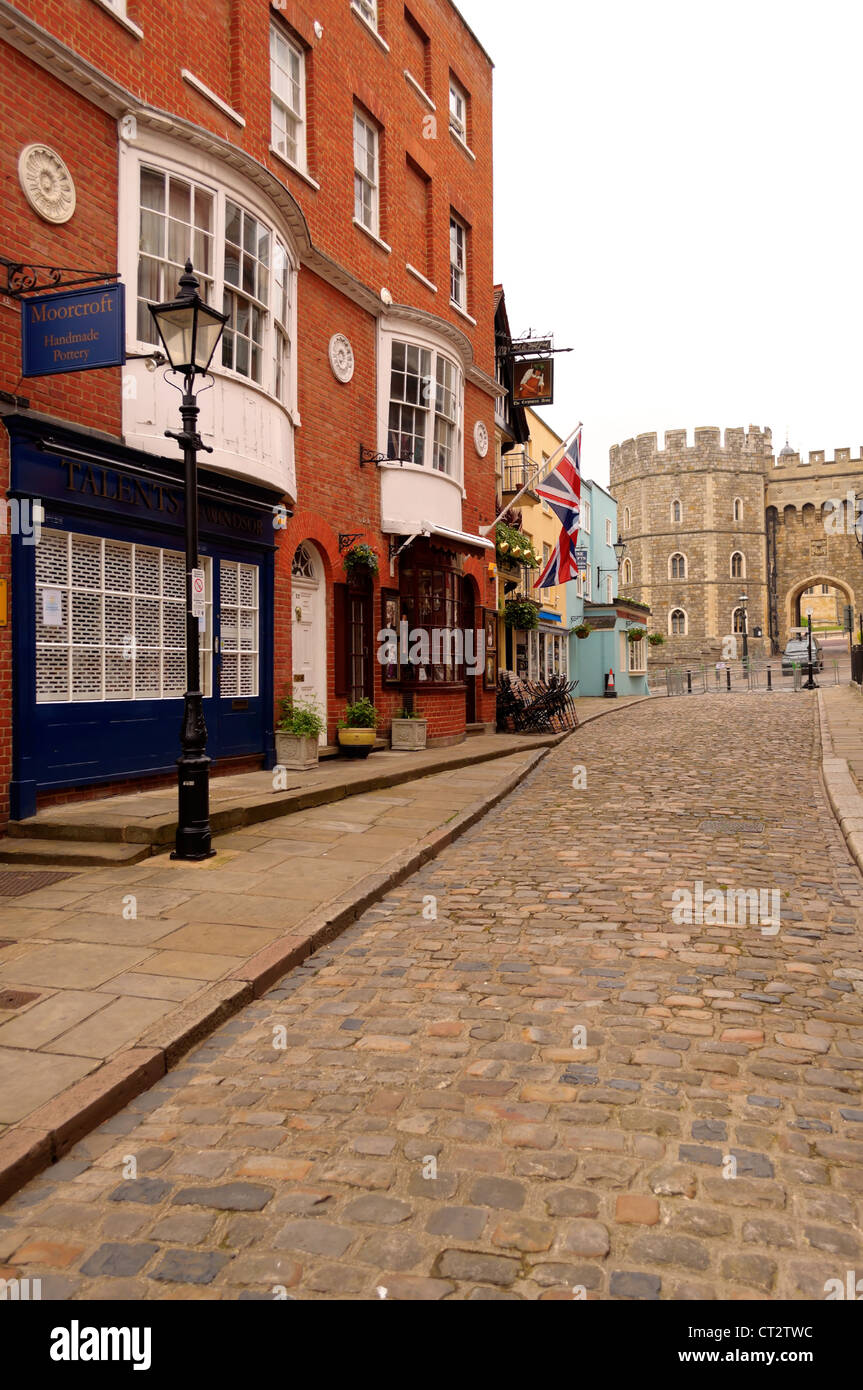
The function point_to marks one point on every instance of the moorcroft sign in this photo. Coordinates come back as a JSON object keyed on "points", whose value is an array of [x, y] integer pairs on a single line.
{"points": [[74, 331]]}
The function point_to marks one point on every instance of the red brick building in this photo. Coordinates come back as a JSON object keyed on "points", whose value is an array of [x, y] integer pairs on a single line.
{"points": [[328, 169]]}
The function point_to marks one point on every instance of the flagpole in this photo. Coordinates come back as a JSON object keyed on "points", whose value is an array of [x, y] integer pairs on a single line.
{"points": [[548, 465]]}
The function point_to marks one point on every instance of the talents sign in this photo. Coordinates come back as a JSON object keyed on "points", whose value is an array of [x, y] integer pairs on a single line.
{"points": [[74, 331]]}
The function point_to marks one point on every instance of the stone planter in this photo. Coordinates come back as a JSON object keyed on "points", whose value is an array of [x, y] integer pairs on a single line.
{"points": [[409, 734], [356, 743], [298, 754]]}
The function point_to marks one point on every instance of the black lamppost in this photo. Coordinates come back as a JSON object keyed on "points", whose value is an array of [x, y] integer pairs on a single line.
{"points": [[743, 600], [190, 331], [810, 684]]}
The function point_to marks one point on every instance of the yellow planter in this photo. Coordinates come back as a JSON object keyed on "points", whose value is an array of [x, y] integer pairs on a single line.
{"points": [[356, 743]]}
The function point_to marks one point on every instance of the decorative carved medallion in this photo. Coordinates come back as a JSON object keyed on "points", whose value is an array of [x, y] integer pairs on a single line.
{"points": [[480, 438], [341, 357], [46, 182]]}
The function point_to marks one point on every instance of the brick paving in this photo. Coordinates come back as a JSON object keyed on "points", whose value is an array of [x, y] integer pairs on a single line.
{"points": [[550, 1088]]}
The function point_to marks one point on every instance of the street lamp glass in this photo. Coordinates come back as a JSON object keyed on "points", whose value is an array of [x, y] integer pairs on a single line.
{"points": [[189, 329], [618, 548]]}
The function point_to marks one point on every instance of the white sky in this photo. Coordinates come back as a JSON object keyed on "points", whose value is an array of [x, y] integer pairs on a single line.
{"points": [[679, 192]]}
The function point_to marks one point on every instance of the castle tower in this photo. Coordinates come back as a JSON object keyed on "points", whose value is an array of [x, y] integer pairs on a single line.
{"points": [[693, 519]]}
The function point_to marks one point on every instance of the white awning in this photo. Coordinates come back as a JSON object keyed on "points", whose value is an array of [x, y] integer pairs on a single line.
{"points": [[430, 528]]}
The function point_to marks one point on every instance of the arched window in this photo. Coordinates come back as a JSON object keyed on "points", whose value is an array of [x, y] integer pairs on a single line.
{"points": [[676, 510], [302, 566], [627, 572], [677, 566], [677, 623], [737, 620], [627, 519], [738, 509], [738, 566]]}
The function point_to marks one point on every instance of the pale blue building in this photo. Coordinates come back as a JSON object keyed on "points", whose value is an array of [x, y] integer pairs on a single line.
{"points": [[593, 600]]}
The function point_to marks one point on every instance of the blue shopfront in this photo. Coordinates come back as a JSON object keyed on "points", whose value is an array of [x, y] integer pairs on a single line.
{"points": [[99, 603]]}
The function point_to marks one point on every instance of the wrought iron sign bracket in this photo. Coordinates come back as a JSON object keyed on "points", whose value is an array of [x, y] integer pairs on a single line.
{"points": [[369, 456], [347, 540], [20, 278]]}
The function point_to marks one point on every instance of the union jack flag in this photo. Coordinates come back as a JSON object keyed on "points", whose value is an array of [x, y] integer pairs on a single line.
{"points": [[561, 566], [562, 488]]}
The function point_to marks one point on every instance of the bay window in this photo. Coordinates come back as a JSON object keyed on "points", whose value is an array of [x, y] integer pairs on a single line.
{"points": [[238, 259], [177, 223], [425, 406]]}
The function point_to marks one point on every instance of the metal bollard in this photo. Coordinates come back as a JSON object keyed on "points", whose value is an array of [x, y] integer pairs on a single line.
{"points": [[728, 679], [689, 682], [769, 684]]}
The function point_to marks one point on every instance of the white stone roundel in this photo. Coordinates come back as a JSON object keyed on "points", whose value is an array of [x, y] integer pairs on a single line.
{"points": [[341, 357], [480, 438], [46, 182]]}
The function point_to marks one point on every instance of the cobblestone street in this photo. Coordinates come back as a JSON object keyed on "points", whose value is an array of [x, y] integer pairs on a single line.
{"points": [[552, 1089]]}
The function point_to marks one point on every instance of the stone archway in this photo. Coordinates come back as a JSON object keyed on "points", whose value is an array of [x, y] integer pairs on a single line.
{"points": [[791, 612]]}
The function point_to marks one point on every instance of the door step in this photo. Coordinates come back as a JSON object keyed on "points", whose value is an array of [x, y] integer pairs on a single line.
{"points": [[471, 730], [75, 853]]}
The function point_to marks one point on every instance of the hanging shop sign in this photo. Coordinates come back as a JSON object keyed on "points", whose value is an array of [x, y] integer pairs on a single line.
{"points": [[74, 331], [581, 559], [533, 381]]}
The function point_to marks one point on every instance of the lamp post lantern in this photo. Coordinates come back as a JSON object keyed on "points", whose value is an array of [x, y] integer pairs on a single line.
{"points": [[190, 331], [743, 600], [809, 684]]}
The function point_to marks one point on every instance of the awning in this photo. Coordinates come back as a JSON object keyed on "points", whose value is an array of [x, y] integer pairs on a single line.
{"points": [[430, 528]]}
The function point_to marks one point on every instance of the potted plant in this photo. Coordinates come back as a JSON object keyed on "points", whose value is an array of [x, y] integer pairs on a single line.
{"points": [[297, 734], [522, 614], [635, 634], [656, 639], [357, 729], [409, 730], [361, 558], [582, 630]]}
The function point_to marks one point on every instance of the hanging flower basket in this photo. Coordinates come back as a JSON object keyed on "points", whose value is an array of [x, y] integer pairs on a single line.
{"points": [[520, 613], [583, 630], [656, 639], [515, 544], [361, 558], [635, 634]]}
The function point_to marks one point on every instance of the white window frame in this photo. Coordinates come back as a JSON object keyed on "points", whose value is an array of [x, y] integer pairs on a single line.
{"points": [[278, 35], [365, 128], [213, 286], [584, 521], [367, 11], [608, 535], [672, 557], [626, 573], [426, 399], [458, 287], [587, 587], [609, 589], [636, 664], [458, 119], [627, 519], [742, 574], [671, 613], [122, 643]]}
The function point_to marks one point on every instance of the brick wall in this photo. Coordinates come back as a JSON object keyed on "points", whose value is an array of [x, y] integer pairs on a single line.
{"points": [[225, 45]]}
